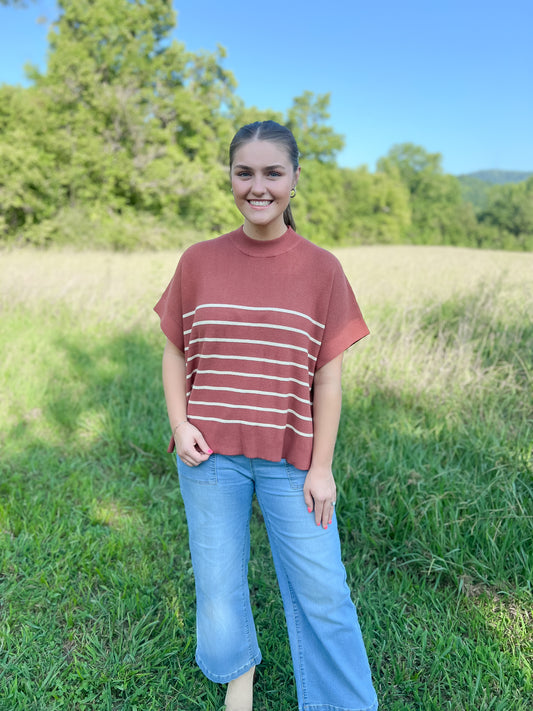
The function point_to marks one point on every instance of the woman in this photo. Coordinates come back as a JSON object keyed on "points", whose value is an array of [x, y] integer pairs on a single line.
{"points": [[257, 322]]}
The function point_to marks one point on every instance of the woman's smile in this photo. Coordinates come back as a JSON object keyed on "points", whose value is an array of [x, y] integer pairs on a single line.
{"points": [[260, 203]]}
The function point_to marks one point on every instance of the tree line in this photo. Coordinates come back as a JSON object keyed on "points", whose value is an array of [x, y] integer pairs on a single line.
{"points": [[122, 141]]}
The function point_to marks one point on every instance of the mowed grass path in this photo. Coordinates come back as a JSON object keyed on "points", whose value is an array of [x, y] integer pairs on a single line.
{"points": [[433, 465]]}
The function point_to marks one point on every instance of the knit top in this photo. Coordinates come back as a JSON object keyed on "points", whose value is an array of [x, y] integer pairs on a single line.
{"points": [[255, 320]]}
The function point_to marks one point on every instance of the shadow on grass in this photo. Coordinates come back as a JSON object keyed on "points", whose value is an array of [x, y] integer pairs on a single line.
{"points": [[96, 579], [95, 546]]}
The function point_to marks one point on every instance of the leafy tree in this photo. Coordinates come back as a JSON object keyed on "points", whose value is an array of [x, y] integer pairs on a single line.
{"points": [[510, 210], [243, 115], [307, 119], [377, 208], [132, 120], [344, 206], [29, 186], [438, 211], [474, 191], [315, 205]]}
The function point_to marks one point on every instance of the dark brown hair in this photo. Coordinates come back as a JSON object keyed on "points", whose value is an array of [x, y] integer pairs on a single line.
{"points": [[268, 131]]}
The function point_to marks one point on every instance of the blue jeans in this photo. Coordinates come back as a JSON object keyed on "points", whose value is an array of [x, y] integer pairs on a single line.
{"points": [[328, 653]]}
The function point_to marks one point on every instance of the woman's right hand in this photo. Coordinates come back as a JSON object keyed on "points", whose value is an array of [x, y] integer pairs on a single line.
{"points": [[191, 446]]}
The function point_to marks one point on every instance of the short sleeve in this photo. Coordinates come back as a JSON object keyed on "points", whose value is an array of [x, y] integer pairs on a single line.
{"points": [[169, 308], [344, 322]]}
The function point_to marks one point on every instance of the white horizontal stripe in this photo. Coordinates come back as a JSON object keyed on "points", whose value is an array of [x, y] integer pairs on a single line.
{"points": [[249, 342], [274, 326], [249, 375], [249, 407], [254, 360], [252, 424], [253, 392], [254, 308], [236, 357]]}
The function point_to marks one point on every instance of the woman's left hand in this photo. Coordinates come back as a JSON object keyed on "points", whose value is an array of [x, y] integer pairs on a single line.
{"points": [[320, 494]]}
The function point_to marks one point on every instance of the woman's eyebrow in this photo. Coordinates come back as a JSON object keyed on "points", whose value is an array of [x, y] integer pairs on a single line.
{"points": [[276, 166]]}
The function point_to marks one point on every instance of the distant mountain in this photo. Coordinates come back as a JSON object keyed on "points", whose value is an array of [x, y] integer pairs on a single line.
{"points": [[498, 177], [476, 187]]}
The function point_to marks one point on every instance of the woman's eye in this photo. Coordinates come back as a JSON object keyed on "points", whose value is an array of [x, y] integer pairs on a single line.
{"points": [[243, 174], [275, 174]]}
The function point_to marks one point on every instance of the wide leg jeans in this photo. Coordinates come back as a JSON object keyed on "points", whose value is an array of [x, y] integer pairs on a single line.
{"points": [[330, 662]]}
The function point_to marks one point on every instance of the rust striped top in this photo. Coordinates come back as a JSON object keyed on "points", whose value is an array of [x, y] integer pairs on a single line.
{"points": [[255, 320]]}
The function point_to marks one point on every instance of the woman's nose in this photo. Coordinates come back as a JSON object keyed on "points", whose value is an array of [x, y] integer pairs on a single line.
{"points": [[258, 185]]}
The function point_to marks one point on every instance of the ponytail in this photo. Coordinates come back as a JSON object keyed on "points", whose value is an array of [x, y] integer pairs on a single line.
{"points": [[288, 218]]}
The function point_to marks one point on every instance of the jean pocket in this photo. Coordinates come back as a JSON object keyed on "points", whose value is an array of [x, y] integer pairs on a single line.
{"points": [[204, 473], [295, 476]]}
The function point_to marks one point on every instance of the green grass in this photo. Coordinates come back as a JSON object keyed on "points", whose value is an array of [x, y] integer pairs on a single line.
{"points": [[433, 465]]}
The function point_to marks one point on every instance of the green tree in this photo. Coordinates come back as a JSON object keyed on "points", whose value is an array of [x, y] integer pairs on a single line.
{"points": [[376, 208], [307, 118], [509, 215], [413, 164], [243, 115], [439, 214], [474, 191], [131, 120], [344, 206], [29, 187], [315, 206], [150, 104]]}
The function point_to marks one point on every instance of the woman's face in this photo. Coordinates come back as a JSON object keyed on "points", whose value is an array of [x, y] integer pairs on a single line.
{"points": [[262, 178]]}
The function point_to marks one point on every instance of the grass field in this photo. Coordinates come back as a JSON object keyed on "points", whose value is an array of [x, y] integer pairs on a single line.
{"points": [[433, 463]]}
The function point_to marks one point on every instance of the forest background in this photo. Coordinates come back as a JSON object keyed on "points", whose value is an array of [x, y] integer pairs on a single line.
{"points": [[122, 143]]}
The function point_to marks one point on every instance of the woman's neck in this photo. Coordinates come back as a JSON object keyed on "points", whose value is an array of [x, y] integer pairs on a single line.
{"points": [[264, 233]]}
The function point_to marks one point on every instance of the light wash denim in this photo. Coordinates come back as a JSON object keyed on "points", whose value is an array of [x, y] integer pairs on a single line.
{"points": [[328, 653]]}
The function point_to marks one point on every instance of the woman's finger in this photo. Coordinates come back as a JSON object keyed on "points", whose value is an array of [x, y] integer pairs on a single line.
{"points": [[319, 507], [187, 460], [201, 444], [324, 513], [331, 511]]}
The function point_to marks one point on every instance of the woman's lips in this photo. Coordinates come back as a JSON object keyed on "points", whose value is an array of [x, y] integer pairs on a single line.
{"points": [[260, 203]]}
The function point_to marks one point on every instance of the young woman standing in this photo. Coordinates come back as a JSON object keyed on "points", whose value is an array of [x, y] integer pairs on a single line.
{"points": [[257, 322]]}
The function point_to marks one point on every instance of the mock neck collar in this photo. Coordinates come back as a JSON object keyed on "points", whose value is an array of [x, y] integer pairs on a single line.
{"points": [[264, 248]]}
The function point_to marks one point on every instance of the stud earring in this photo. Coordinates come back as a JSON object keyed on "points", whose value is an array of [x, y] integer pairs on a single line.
{"points": [[292, 193]]}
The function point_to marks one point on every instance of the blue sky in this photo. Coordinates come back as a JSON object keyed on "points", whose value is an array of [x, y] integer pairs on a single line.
{"points": [[453, 76]]}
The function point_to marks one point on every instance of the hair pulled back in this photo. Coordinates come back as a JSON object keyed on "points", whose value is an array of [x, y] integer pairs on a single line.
{"points": [[268, 131]]}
